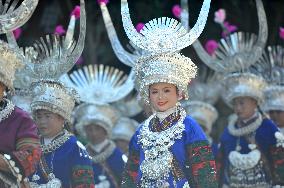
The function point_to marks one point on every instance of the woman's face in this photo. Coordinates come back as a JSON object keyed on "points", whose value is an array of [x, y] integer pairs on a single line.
{"points": [[244, 107], [163, 96], [95, 133], [2, 90], [49, 124]]}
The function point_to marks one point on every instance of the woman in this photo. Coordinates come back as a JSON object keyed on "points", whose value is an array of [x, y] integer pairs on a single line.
{"points": [[65, 161], [169, 149], [94, 123], [251, 150], [19, 143]]}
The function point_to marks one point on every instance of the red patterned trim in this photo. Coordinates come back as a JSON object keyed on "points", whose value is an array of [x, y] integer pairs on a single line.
{"points": [[130, 173], [201, 165], [277, 155], [27, 159], [83, 177]]}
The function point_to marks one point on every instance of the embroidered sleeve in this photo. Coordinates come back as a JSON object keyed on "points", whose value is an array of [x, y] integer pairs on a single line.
{"points": [[82, 177], [200, 165], [28, 151], [277, 155], [82, 172], [130, 174]]}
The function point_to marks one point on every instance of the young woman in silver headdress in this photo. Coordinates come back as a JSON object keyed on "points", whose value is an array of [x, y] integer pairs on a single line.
{"points": [[169, 149], [251, 147], [65, 161]]}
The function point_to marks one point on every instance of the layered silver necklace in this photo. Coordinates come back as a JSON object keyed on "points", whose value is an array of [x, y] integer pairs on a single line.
{"points": [[6, 110], [156, 166], [246, 129], [246, 170]]}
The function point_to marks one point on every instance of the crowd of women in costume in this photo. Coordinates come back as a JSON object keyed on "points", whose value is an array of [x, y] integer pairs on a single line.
{"points": [[75, 129]]}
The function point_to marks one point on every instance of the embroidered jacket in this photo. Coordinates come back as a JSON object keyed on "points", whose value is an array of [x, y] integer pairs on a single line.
{"points": [[70, 163], [192, 164], [269, 145], [18, 138]]}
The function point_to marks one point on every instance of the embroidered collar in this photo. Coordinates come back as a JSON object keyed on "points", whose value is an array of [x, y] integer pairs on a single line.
{"points": [[245, 130], [102, 156], [56, 143], [162, 115], [7, 109], [157, 126]]}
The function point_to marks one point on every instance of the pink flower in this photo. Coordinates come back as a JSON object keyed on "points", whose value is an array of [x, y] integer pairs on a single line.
{"points": [[211, 46], [220, 16], [80, 61], [281, 32], [139, 26], [102, 1], [59, 30], [228, 29], [76, 12], [17, 33], [176, 10]]}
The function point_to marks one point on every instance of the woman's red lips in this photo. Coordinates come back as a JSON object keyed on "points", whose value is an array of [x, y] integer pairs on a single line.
{"points": [[161, 103]]}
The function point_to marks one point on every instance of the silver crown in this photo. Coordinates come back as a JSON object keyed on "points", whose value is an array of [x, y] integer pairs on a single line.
{"points": [[100, 84], [54, 97], [163, 35], [171, 68], [243, 85], [239, 50], [12, 18]]}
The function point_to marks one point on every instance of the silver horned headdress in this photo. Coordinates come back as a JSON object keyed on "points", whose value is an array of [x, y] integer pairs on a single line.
{"points": [[86, 114], [52, 55], [47, 60], [99, 84], [162, 38], [122, 54], [271, 67], [11, 18], [236, 52]]}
